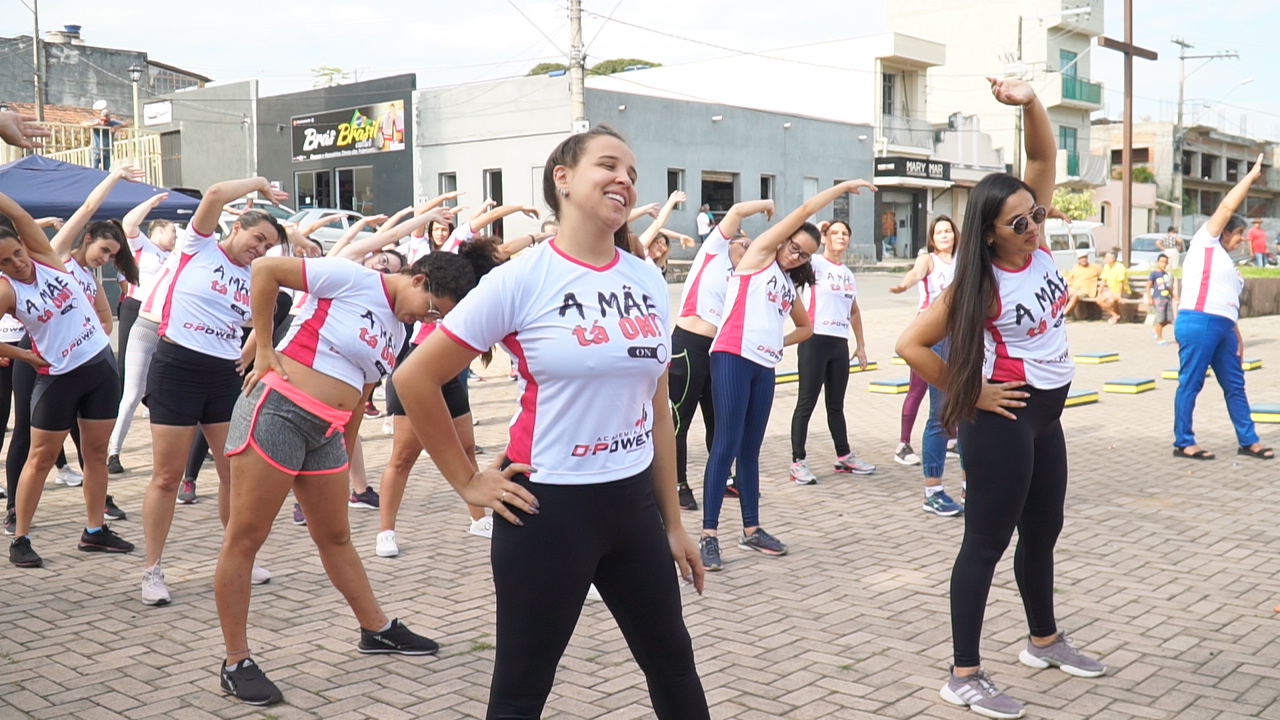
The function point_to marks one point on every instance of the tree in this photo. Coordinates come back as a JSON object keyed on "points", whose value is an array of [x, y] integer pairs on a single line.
{"points": [[609, 67], [1075, 204], [326, 76], [1141, 174], [546, 68]]}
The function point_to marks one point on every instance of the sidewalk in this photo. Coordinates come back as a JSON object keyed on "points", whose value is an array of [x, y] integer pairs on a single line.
{"points": [[1166, 569]]}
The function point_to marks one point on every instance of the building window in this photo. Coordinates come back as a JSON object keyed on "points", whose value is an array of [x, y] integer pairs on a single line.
{"points": [[314, 189], [675, 181], [888, 84], [493, 191], [766, 187], [1206, 166], [448, 184], [1104, 213], [809, 187], [1067, 63], [1140, 155], [720, 191], [355, 190]]}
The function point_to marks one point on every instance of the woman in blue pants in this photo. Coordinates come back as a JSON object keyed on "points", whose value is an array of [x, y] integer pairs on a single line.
{"points": [[1206, 329]]}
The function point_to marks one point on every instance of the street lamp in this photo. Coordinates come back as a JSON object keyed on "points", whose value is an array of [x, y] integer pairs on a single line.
{"points": [[135, 74]]}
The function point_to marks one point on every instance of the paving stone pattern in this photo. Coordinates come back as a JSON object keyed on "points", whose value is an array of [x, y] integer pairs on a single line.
{"points": [[1166, 569]]}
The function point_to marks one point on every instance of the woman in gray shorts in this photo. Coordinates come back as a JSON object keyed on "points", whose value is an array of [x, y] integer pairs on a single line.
{"points": [[295, 425]]}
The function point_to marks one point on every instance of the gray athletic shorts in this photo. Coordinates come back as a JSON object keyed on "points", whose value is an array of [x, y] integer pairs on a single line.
{"points": [[298, 435]]}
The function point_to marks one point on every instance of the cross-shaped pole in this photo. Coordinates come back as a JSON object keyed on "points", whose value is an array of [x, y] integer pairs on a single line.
{"points": [[1130, 51]]}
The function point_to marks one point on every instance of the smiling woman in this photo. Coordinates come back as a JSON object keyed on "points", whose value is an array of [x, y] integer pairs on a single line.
{"points": [[589, 494]]}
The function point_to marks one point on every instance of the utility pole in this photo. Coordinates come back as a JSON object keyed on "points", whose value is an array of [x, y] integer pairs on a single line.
{"points": [[577, 70], [1178, 133], [1129, 50], [35, 58], [1017, 115]]}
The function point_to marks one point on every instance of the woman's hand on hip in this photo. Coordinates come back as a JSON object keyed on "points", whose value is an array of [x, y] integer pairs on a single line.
{"points": [[494, 489], [996, 397]]}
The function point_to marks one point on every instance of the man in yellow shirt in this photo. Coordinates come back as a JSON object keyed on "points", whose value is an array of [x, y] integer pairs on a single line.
{"points": [[1082, 279], [1113, 286]]}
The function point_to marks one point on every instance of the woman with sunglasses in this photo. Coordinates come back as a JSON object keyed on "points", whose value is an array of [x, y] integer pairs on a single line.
{"points": [[297, 422], [1006, 380], [1207, 331], [762, 294], [701, 312], [824, 358]]}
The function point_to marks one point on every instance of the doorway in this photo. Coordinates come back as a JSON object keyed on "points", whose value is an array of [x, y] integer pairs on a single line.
{"points": [[493, 191], [720, 191]]}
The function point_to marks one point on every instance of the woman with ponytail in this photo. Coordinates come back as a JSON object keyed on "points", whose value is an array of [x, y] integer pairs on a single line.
{"points": [[1006, 382]]}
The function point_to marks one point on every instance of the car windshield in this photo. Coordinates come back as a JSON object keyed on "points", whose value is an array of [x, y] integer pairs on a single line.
{"points": [[1145, 244]]}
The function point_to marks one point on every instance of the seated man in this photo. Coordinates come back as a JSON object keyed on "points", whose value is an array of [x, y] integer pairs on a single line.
{"points": [[1113, 286], [1082, 279]]}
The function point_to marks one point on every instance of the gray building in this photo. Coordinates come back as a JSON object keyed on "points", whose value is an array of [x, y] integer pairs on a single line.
{"points": [[492, 140], [207, 134], [78, 75]]}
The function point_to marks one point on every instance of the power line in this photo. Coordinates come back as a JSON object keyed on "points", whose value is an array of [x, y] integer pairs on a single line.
{"points": [[604, 24], [534, 24]]}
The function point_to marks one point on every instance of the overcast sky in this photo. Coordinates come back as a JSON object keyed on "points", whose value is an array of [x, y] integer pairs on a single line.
{"points": [[475, 40]]}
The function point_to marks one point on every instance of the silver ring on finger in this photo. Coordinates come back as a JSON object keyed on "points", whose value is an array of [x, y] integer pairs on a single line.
{"points": [[503, 497]]}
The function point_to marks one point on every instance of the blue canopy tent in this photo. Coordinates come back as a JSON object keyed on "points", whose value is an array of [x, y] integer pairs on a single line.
{"points": [[52, 188]]}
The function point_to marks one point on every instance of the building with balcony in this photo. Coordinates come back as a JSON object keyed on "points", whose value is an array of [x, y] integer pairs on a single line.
{"points": [[1046, 42], [1212, 162]]}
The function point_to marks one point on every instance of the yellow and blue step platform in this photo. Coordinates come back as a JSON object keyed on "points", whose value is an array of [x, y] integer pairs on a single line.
{"points": [[789, 376], [1251, 364], [1082, 397], [1129, 385], [1265, 412], [1097, 358], [893, 386]]}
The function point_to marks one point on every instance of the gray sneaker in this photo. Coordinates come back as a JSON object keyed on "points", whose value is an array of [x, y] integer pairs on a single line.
{"points": [[709, 546], [1060, 654], [980, 695], [761, 541]]}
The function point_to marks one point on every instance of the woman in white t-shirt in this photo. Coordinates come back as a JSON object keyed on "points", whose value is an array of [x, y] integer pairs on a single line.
{"points": [[1206, 330], [590, 494], [1006, 380], [824, 358]]}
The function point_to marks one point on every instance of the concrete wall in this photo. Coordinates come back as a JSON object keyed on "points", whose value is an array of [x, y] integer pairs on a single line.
{"points": [[392, 171], [75, 75], [216, 141]]}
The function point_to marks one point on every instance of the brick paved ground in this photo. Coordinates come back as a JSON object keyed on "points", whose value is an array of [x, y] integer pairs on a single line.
{"points": [[1165, 569]]}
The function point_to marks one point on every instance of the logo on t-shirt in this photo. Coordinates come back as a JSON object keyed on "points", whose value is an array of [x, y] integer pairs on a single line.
{"points": [[1051, 297]]}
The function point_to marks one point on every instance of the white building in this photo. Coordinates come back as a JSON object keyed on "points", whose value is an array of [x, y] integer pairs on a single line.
{"points": [[1047, 42]]}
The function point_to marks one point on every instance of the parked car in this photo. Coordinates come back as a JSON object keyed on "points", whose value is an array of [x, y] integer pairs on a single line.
{"points": [[281, 212], [328, 234], [1066, 240], [1144, 251]]}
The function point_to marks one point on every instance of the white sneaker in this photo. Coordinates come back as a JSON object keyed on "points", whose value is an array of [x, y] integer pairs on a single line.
{"points": [[905, 455], [594, 594], [154, 591], [389, 425], [385, 544], [801, 474], [482, 527], [261, 575], [952, 452], [69, 477]]}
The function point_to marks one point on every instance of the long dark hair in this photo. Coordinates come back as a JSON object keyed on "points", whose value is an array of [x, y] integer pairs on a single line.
{"points": [[568, 153], [973, 293], [122, 258]]}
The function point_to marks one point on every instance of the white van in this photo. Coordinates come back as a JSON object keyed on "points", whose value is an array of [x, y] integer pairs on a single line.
{"points": [[1066, 240]]}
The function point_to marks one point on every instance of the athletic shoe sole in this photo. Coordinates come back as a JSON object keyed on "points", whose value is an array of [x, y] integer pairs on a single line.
{"points": [[1030, 660], [361, 504], [798, 481], [941, 514], [389, 651], [256, 703], [83, 547], [155, 603], [36, 564], [949, 695], [900, 461], [763, 551], [851, 471]]}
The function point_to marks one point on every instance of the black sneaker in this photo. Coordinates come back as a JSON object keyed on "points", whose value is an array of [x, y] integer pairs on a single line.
{"points": [[114, 467], [10, 522], [111, 512], [248, 683], [709, 547], [105, 540], [398, 639], [686, 497], [21, 554]]}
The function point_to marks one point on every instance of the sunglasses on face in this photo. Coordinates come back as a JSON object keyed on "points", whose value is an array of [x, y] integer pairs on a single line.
{"points": [[796, 250], [1037, 216]]}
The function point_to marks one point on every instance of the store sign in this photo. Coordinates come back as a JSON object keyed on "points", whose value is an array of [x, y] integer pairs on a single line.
{"points": [[913, 168], [353, 131]]}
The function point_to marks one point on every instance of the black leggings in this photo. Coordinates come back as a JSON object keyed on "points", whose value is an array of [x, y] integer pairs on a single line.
{"points": [[689, 381], [127, 315], [24, 385], [824, 361], [1017, 478], [610, 534]]}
